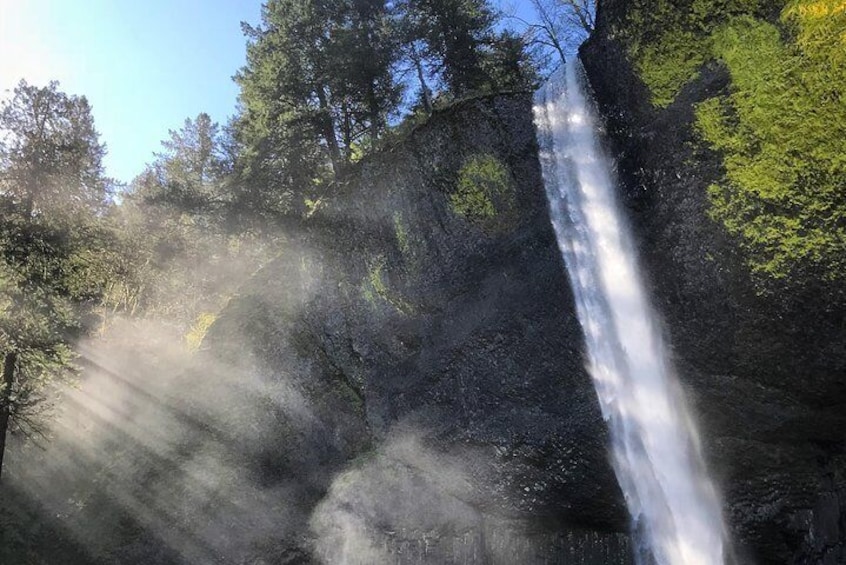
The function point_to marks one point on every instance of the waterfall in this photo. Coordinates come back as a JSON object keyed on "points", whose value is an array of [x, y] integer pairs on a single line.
{"points": [[675, 510]]}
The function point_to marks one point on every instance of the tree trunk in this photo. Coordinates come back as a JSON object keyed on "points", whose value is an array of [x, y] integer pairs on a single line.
{"points": [[375, 118], [5, 408], [346, 129], [327, 124], [421, 76]]}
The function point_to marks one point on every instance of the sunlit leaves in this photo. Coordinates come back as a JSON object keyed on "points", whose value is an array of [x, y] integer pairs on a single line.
{"points": [[53, 197]]}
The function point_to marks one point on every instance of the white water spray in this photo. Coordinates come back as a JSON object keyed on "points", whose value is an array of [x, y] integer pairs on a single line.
{"points": [[674, 507]]}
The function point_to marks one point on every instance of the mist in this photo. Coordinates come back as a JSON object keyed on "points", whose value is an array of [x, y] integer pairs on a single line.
{"points": [[236, 452], [157, 438]]}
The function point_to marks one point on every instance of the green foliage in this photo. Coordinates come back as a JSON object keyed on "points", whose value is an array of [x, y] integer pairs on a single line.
{"points": [[53, 201], [453, 33], [317, 84], [669, 40], [44, 298], [313, 205], [401, 233], [173, 254], [374, 286], [484, 193], [781, 131], [508, 66], [188, 174], [411, 245], [194, 338], [175, 265], [454, 45], [50, 152], [667, 65]]}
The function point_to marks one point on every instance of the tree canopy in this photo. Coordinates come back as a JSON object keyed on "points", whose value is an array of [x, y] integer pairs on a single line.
{"points": [[50, 153], [52, 194], [324, 80]]}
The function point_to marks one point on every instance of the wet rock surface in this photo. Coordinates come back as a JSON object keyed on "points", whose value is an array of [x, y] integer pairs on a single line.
{"points": [[764, 371], [460, 331], [457, 330]]}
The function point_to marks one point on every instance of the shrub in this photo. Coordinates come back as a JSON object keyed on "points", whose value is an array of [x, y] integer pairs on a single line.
{"points": [[194, 338]]}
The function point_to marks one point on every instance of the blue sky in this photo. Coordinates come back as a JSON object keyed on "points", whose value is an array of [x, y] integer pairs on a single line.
{"points": [[144, 65]]}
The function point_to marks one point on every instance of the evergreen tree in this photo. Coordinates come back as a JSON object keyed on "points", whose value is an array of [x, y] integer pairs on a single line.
{"points": [[176, 254], [190, 172], [286, 128], [508, 65], [50, 155], [363, 53], [52, 193], [454, 34], [317, 82]]}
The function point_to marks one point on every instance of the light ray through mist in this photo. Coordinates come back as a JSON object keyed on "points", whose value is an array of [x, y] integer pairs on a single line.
{"points": [[155, 440]]}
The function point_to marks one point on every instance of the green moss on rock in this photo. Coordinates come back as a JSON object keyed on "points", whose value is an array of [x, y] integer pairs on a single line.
{"points": [[195, 336], [669, 40], [484, 194], [401, 233], [374, 288], [781, 130]]}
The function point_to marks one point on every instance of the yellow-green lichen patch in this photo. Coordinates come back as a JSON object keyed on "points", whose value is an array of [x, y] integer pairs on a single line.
{"points": [[667, 65], [374, 288], [780, 131], [484, 193], [194, 337], [401, 233], [669, 41], [779, 127]]}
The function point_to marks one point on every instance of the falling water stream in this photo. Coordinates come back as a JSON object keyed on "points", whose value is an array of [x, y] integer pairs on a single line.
{"points": [[675, 510]]}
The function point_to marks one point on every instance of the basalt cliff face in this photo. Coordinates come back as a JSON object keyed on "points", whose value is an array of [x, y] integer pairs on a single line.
{"points": [[425, 320], [424, 323], [764, 370]]}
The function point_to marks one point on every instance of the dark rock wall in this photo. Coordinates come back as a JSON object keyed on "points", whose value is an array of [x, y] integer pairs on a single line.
{"points": [[765, 372], [395, 314]]}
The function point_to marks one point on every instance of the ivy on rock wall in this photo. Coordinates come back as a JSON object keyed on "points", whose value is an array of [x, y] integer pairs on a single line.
{"points": [[780, 127]]}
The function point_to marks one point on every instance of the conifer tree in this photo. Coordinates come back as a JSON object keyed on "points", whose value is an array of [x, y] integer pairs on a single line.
{"points": [[52, 194], [50, 155], [454, 34], [317, 82]]}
